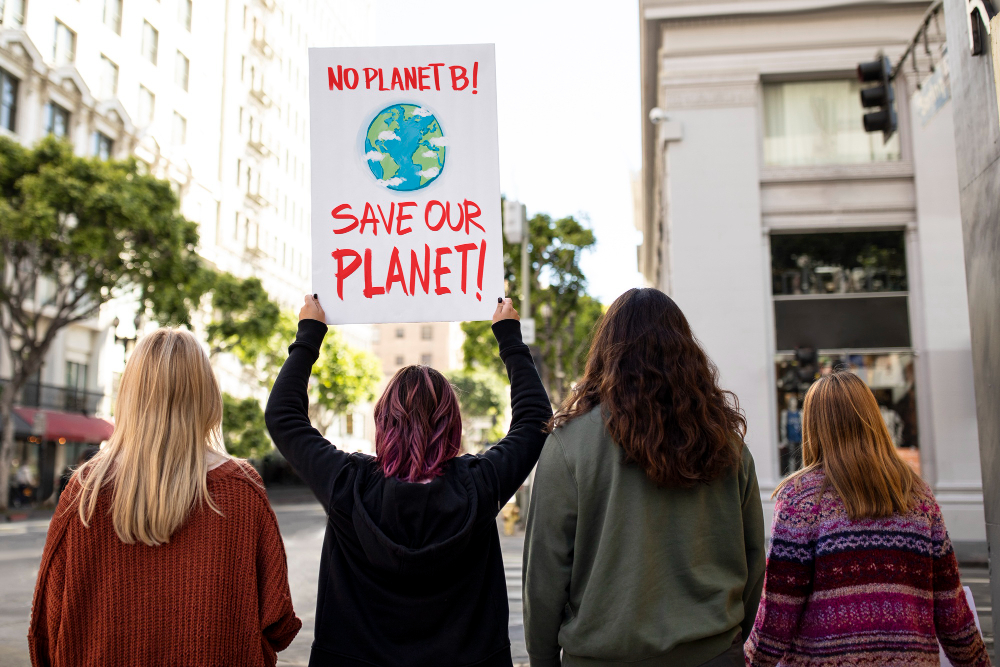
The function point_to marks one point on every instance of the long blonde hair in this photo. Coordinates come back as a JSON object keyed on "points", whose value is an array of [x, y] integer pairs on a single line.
{"points": [[845, 436], [168, 417]]}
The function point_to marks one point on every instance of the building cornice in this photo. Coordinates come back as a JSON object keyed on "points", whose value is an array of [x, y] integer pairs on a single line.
{"points": [[695, 10]]}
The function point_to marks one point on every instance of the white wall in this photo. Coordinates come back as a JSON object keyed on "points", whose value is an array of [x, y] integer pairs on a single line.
{"points": [[949, 437], [717, 261]]}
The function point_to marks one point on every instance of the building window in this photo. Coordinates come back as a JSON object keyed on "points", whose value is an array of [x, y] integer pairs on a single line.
{"points": [[426, 332], [8, 100], [349, 424], [400, 332], [109, 77], [56, 120], [101, 145], [179, 134], [147, 104], [399, 360], [14, 14], [425, 359], [150, 41], [184, 13], [64, 44], [819, 122], [182, 67], [76, 386], [113, 15]]}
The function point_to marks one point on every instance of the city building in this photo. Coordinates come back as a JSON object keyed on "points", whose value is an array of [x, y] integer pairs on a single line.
{"points": [[436, 344], [210, 95], [794, 241]]}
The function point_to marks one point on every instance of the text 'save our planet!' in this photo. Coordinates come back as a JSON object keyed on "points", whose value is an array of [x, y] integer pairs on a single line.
{"points": [[405, 147]]}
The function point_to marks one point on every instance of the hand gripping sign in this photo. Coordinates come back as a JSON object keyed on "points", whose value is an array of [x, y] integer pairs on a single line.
{"points": [[405, 183]]}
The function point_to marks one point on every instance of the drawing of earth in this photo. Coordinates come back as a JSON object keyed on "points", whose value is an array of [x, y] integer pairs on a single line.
{"points": [[404, 147]]}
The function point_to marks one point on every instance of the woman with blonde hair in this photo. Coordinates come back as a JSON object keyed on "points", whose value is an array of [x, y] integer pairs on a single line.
{"points": [[861, 570], [163, 549]]}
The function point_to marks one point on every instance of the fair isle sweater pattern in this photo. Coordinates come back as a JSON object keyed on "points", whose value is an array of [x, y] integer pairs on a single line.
{"points": [[878, 592]]}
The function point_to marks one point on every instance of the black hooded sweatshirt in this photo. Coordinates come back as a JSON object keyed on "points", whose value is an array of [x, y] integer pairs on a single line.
{"points": [[411, 574]]}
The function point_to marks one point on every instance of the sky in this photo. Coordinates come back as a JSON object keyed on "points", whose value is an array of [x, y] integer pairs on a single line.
{"points": [[568, 108]]}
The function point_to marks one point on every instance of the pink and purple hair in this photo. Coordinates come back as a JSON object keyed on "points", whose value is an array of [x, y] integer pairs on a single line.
{"points": [[418, 425]]}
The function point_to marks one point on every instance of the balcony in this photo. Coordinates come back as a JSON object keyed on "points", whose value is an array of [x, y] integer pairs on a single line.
{"points": [[262, 45], [49, 397], [262, 98], [257, 199], [259, 147]]}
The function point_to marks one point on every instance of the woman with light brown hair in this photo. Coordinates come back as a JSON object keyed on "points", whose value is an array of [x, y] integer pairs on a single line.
{"points": [[645, 539], [163, 549], [861, 570]]}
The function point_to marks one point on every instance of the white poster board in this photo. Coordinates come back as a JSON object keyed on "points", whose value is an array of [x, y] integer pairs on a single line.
{"points": [[406, 220]]}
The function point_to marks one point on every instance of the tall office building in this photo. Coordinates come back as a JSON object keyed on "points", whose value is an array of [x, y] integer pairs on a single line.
{"points": [[208, 94], [796, 242]]}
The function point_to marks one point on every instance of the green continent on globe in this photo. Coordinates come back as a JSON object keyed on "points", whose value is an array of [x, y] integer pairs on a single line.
{"points": [[405, 147]]}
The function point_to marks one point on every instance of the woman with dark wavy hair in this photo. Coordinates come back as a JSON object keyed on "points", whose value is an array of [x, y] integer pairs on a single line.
{"points": [[645, 540], [411, 571]]}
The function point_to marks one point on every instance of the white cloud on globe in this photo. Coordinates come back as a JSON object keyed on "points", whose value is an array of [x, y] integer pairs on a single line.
{"points": [[387, 135], [438, 141], [428, 154], [420, 111], [395, 180], [429, 173], [374, 156]]}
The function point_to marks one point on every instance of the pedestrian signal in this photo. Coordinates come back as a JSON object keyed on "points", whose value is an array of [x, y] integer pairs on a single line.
{"points": [[879, 97]]}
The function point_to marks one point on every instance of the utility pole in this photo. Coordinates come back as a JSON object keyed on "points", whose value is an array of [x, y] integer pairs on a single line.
{"points": [[515, 229]]}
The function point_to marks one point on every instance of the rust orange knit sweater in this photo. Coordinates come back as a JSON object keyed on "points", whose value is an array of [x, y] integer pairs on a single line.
{"points": [[216, 594]]}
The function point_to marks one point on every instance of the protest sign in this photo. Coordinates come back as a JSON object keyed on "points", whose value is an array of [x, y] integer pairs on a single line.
{"points": [[405, 183]]}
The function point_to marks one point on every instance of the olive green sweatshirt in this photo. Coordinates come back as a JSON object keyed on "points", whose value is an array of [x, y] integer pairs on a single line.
{"points": [[619, 571]]}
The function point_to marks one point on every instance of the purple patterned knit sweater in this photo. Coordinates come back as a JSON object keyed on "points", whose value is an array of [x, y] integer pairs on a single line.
{"points": [[877, 592]]}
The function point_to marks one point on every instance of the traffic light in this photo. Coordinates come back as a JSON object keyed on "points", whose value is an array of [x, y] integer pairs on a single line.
{"points": [[880, 96]]}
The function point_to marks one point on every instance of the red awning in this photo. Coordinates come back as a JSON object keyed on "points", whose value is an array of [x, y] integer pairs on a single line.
{"points": [[72, 427]]}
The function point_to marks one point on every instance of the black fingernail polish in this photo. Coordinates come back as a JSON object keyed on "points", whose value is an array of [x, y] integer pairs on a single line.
{"points": [[499, 299], [315, 296]]}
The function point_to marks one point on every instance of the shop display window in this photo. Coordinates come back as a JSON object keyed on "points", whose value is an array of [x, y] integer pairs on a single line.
{"points": [[889, 375], [838, 263]]}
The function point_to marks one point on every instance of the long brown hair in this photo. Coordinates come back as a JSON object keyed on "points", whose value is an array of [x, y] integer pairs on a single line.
{"points": [[659, 393], [845, 436], [168, 418]]}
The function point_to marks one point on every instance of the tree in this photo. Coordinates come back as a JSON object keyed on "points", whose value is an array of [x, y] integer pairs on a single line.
{"points": [[74, 233], [243, 428], [481, 396], [342, 377], [564, 314], [245, 315]]}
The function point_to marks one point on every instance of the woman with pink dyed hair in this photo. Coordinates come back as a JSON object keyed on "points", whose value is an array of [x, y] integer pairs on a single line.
{"points": [[411, 571]]}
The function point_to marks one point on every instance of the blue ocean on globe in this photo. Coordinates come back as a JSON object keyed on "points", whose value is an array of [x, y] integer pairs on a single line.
{"points": [[405, 147]]}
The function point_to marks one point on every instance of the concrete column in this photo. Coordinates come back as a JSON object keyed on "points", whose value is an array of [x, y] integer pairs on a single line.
{"points": [[715, 253]]}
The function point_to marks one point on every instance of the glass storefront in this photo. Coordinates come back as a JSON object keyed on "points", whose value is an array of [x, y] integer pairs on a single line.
{"points": [[841, 303], [890, 376]]}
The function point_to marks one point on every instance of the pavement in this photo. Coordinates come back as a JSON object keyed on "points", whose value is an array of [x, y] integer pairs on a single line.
{"points": [[302, 524]]}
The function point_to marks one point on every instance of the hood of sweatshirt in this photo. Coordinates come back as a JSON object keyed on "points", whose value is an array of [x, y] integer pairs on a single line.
{"points": [[407, 528]]}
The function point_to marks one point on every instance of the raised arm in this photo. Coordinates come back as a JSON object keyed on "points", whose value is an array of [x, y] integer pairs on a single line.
{"points": [[515, 455], [753, 543], [311, 455]]}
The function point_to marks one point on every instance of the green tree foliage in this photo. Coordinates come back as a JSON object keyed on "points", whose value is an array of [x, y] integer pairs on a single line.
{"points": [[74, 233], [244, 315], [564, 314], [243, 428], [481, 396]]}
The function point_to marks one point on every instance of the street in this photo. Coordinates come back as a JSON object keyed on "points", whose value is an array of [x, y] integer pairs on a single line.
{"points": [[302, 526]]}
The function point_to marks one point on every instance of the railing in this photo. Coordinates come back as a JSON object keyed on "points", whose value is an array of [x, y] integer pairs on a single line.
{"points": [[50, 397]]}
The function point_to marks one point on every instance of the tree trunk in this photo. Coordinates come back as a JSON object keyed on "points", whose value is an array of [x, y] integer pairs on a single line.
{"points": [[7, 440]]}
